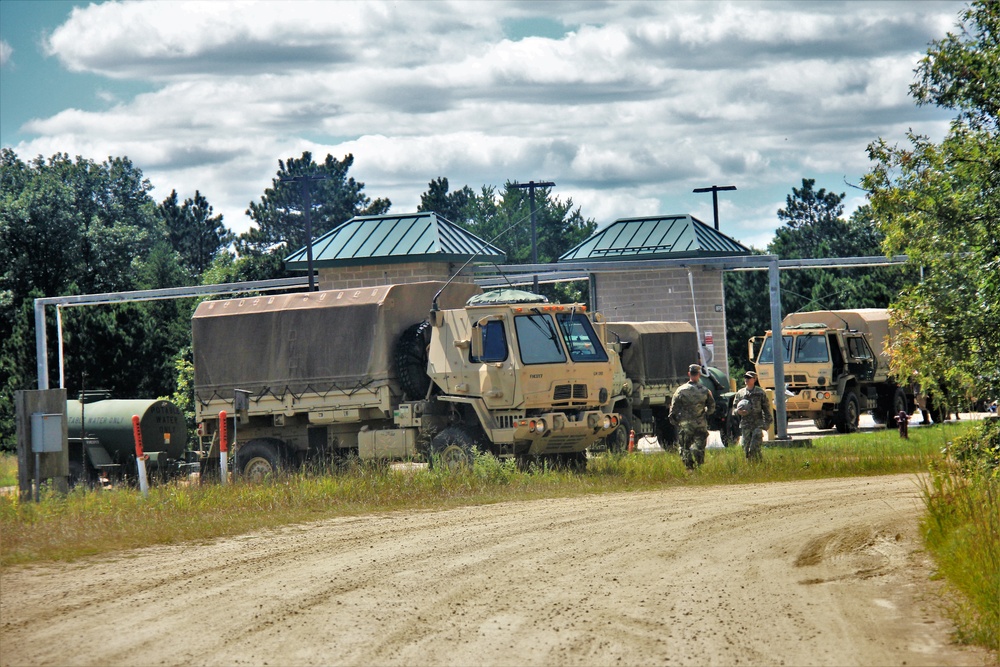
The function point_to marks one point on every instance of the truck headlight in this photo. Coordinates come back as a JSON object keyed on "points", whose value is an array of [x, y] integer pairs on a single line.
{"points": [[538, 426]]}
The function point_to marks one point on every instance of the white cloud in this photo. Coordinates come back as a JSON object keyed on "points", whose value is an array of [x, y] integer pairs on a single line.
{"points": [[6, 53], [628, 111]]}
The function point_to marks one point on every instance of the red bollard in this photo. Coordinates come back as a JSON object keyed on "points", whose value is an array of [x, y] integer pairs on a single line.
{"points": [[140, 457], [223, 449]]}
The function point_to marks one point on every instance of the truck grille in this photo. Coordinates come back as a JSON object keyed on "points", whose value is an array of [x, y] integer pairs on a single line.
{"points": [[796, 379], [565, 392]]}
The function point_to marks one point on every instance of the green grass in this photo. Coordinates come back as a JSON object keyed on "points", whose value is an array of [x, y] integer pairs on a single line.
{"points": [[8, 469], [90, 522], [961, 529]]}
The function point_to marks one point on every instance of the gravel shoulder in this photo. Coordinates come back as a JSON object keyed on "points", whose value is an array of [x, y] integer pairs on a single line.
{"points": [[826, 572]]}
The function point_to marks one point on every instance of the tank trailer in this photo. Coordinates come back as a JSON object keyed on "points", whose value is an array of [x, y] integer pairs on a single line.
{"points": [[836, 366], [102, 442], [372, 372]]}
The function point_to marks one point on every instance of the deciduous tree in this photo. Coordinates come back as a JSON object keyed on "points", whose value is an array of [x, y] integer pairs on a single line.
{"points": [[939, 204]]}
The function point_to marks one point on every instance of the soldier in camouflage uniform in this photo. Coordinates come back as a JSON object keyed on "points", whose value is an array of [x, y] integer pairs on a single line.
{"points": [[689, 410], [754, 416]]}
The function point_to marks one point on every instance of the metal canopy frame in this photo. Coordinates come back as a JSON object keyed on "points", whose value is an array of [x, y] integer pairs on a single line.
{"points": [[490, 276]]}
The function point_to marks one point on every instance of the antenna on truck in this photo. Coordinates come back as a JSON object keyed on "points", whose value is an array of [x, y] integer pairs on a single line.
{"points": [[434, 301]]}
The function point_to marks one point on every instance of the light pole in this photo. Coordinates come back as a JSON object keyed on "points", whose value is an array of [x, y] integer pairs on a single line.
{"points": [[531, 185], [304, 190], [715, 198]]}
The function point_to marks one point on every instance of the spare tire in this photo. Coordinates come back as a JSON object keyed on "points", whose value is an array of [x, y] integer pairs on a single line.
{"points": [[410, 357]]}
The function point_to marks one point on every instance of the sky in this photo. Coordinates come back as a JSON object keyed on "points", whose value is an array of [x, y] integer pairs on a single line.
{"points": [[626, 106]]}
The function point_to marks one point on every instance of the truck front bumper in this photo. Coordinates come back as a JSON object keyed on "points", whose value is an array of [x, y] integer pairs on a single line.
{"points": [[811, 401], [557, 432]]}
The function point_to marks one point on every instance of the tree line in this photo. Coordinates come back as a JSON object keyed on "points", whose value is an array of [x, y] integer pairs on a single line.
{"points": [[75, 226]]}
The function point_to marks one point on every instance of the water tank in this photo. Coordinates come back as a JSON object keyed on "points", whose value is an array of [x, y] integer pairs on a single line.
{"points": [[110, 421]]}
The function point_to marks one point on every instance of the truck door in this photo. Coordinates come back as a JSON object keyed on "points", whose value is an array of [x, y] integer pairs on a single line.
{"points": [[496, 378], [861, 361]]}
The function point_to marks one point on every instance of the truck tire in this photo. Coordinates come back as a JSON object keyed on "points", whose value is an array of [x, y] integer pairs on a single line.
{"points": [[849, 414], [258, 459], [889, 406], [617, 442], [666, 435], [410, 357], [823, 423], [452, 448]]}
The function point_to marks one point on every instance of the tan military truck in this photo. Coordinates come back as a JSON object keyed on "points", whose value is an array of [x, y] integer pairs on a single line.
{"points": [[654, 359], [416, 370], [836, 367]]}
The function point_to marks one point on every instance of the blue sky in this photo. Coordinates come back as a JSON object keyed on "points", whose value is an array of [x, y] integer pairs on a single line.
{"points": [[626, 106]]}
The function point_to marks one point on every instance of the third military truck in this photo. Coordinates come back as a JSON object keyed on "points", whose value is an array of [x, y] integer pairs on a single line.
{"points": [[836, 367], [412, 371]]}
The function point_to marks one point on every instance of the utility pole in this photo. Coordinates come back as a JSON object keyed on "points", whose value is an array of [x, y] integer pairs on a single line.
{"points": [[306, 193], [531, 185], [715, 198]]}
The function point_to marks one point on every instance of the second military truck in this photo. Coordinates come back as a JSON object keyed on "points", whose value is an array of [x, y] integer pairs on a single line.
{"points": [[421, 370], [836, 366], [654, 362]]}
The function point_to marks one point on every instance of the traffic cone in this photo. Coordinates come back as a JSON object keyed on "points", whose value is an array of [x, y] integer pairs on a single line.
{"points": [[631, 440]]}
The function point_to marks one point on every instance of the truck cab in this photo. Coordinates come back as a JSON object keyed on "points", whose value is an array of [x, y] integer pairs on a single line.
{"points": [[520, 377]]}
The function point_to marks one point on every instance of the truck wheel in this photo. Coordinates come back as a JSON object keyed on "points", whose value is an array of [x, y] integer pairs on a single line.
{"points": [[410, 356], [617, 442], [847, 421], [900, 403], [452, 448], [258, 459], [823, 423]]}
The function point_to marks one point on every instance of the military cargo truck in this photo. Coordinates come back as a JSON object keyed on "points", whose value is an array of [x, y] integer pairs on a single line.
{"points": [[654, 359], [422, 370], [836, 367]]}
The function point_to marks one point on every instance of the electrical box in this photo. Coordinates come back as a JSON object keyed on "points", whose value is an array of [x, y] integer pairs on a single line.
{"points": [[408, 414], [46, 433]]}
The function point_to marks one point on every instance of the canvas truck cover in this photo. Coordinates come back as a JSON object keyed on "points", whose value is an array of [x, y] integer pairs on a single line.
{"points": [[873, 322], [660, 352], [309, 341]]}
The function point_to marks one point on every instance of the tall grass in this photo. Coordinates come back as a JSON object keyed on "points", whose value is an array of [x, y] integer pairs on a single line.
{"points": [[962, 531], [8, 469], [88, 522]]}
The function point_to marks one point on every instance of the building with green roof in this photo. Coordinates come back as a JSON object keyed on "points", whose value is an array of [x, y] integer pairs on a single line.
{"points": [[394, 248], [660, 268]]}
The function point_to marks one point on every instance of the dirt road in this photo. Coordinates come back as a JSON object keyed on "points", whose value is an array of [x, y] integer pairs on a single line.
{"points": [[803, 573]]}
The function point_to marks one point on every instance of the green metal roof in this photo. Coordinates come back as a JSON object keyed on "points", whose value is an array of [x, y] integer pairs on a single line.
{"points": [[659, 237], [394, 239]]}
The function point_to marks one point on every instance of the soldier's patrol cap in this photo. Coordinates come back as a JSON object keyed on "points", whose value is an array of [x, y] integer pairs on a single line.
{"points": [[750, 374], [694, 368]]}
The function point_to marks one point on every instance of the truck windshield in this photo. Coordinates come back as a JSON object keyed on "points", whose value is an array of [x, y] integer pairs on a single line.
{"points": [[811, 349], [537, 339], [767, 351], [580, 338]]}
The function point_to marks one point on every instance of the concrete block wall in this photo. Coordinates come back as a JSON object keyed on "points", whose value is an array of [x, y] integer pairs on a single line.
{"points": [[349, 277], [665, 295]]}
